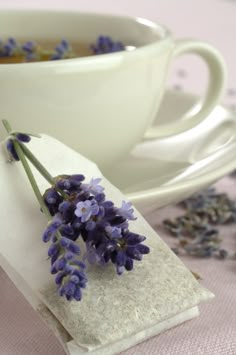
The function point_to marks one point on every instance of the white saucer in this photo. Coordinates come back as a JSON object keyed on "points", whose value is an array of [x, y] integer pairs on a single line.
{"points": [[165, 171]]}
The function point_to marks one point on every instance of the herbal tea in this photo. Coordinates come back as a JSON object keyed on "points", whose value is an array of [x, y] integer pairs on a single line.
{"points": [[13, 51]]}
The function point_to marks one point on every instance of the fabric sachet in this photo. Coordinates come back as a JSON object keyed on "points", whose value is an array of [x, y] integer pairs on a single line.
{"points": [[115, 312]]}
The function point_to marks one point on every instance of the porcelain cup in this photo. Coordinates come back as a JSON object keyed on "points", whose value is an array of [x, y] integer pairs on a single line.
{"points": [[100, 105]]}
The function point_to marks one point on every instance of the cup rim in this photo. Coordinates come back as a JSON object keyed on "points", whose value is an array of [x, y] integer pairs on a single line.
{"points": [[93, 59]]}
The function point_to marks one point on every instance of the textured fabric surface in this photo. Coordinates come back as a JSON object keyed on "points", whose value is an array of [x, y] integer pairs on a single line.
{"points": [[212, 333]]}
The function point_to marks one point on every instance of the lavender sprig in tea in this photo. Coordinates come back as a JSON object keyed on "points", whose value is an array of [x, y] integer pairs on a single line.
{"points": [[13, 51]]}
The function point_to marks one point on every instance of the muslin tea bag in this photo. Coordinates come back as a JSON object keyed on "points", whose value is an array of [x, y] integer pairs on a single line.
{"points": [[116, 312]]}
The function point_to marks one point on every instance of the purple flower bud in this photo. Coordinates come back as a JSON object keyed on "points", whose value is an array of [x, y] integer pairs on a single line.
{"points": [[61, 291], [66, 230], [120, 258], [65, 242], [75, 279], [77, 295], [79, 263], [74, 248], [69, 288], [22, 137], [53, 269], [69, 255], [66, 209], [143, 249], [60, 264], [51, 230], [133, 238], [53, 249], [51, 196], [11, 149], [90, 225], [59, 277], [129, 264], [133, 253], [77, 177], [120, 269], [100, 197], [80, 274]]}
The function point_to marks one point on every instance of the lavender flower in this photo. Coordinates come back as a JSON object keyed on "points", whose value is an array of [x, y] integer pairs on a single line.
{"points": [[9, 48], [102, 226], [86, 209], [31, 51], [69, 271], [105, 44], [126, 210], [77, 210], [62, 51], [93, 187]]}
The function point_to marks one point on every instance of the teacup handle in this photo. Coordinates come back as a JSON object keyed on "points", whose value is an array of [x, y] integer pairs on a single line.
{"points": [[217, 77]]}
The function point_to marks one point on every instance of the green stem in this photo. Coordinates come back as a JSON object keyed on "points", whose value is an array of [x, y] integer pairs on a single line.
{"points": [[36, 163], [7, 126], [31, 179], [28, 171]]}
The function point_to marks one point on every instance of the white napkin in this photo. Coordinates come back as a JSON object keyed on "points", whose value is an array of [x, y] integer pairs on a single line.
{"points": [[116, 312]]}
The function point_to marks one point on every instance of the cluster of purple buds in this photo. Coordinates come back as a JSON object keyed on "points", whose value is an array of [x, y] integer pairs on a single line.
{"points": [[21, 137], [9, 48], [70, 272], [62, 51], [31, 51], [104, 228], [105, 44]]}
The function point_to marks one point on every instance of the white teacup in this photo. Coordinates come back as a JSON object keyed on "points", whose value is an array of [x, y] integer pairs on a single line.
{"points": [[100, 105]]}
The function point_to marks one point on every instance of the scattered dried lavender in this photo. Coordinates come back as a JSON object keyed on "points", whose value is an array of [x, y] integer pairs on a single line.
{"points": [[233, 174], [196, 231]]}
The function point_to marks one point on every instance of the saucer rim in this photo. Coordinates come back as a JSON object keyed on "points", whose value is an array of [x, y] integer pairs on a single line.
{"points": [[187, 183], [180, 186]]}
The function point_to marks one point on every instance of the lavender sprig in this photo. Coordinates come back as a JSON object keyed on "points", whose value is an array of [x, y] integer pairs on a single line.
{"points": [[62, 51], [72, 266], [78, 210], [104, 228], [10, 48], [105, 44]]}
